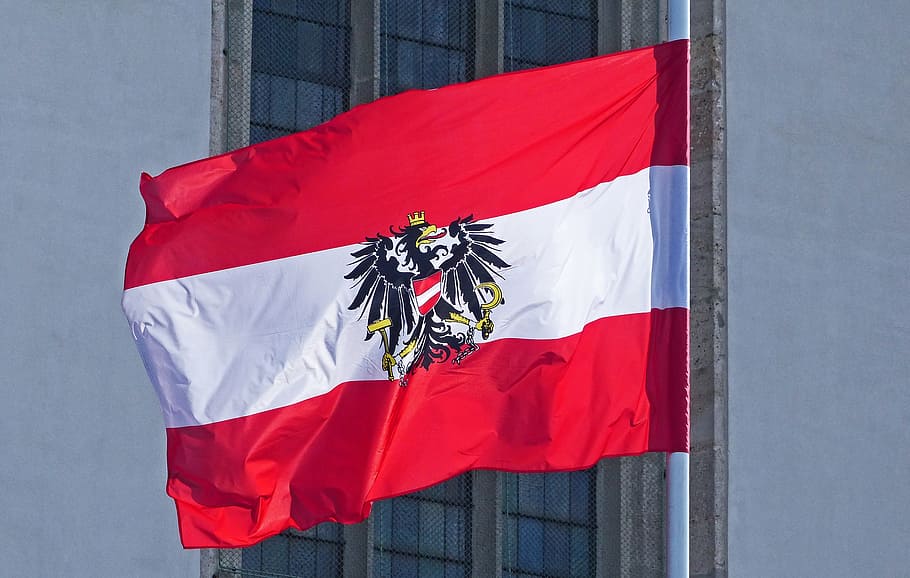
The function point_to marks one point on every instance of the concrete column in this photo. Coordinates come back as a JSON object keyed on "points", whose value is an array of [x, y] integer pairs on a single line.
{"points": [[364, 51], [486, 488], [708, 303], [238, 44], [608, 511], [218, 117], [487, 37], [358, 550], [208, 563], [209, 558], [486, 524], [641, 516], [609, 27]]}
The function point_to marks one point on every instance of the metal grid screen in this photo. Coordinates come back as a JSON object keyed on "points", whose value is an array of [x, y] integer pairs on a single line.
{"points": [[541, 32], [639, 23], [299, 65], [315, 552], [425, 44], [549, 526], [289, 67], [427, 533]]}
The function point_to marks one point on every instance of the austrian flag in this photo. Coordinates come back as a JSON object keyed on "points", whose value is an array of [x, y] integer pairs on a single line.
{"points": [[488, 275]]}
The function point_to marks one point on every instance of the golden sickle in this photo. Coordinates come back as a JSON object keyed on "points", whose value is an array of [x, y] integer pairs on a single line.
{"points": [[496, 300]]}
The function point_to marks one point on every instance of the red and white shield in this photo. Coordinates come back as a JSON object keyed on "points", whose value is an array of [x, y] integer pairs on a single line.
{"points": [[427, 291]]}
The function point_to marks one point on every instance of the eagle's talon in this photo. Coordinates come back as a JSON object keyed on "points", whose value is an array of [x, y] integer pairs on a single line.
{"points": [[388, 362], [486, 327]]}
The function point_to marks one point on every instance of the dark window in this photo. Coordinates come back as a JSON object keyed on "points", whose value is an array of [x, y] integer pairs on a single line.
{"points": [[549, 524], [316, 552], [541, 32], [300, 62], [425, 43], [427, 533]]}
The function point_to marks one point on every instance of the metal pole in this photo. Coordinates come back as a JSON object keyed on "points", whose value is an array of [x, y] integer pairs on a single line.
{"points": [[677, 515], [678, 462], [677, 19]]}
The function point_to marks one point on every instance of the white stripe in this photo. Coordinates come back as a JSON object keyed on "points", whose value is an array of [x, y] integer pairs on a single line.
{"points": [[240, 341], [429, 293]]}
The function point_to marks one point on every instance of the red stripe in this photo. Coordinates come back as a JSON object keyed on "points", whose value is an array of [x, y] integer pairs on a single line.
{"points": [[487, 148], [618, 388], [422, 285]]}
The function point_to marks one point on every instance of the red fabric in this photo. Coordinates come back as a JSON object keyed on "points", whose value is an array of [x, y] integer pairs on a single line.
{"points": [[485, 148], [520, 405]]}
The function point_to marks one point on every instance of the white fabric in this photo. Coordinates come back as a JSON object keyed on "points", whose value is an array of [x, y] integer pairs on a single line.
{"points": [[239, 341]]}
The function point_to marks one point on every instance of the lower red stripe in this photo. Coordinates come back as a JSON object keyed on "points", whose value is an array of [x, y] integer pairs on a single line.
{"points": [[618, 388]]}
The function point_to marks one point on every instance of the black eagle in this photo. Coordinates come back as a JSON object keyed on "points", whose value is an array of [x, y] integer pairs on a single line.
{"points": [[462, 257]]}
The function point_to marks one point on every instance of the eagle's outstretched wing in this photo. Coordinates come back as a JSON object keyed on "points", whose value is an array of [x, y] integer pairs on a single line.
{"points": [[385, 291], [473, 261]]}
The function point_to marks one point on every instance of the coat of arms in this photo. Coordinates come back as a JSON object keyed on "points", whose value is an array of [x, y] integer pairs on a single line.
{"points": [[427, 289]]}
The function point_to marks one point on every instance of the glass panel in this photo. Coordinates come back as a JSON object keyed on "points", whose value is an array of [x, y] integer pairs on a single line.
{"points": [[425, 43], [581, 548], [549, 524], [431, 568], [405, 525], [275, 554], [433, 533], [556, 548], [327, 11], [251, 559], [259, 98], [300, 65], [456, 537], [430, 528], [302, 557], [530, 544], [405, 565], [455, 570], [328, 557], [531, 495], [541, 32], [581, 507], [558, 492], [282, 101], [288, 7]]}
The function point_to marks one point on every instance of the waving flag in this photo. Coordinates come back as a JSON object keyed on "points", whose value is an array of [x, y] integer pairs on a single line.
{"points": [[488, 275]]}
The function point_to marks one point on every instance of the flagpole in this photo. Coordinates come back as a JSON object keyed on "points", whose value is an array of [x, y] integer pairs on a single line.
{"points": [[677, 515], [677, 19], [678, 462]]}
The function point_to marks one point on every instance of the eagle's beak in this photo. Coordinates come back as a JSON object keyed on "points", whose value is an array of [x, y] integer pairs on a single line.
{"points": [[430, 235]]}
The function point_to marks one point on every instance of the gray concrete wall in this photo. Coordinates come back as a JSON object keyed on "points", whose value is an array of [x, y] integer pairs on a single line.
{"points": [[707, 306], [818, 204], [91, 93]]}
